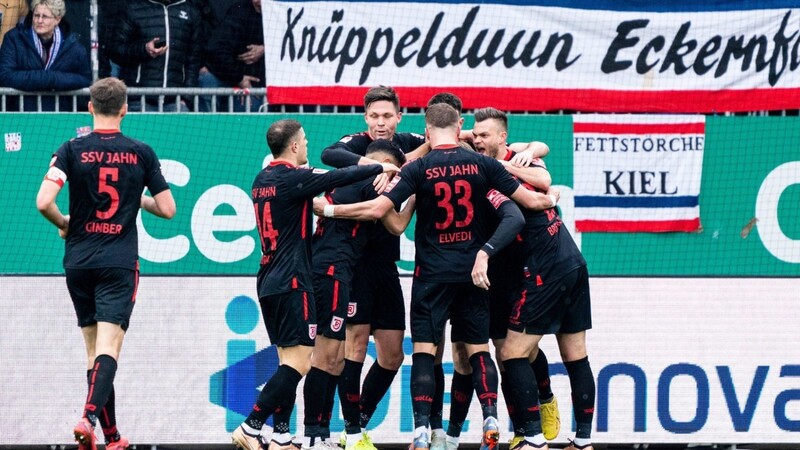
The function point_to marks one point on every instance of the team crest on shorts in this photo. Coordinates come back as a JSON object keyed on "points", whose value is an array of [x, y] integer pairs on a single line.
{"points": [[312, 331], [352, 307], [336, 323]]}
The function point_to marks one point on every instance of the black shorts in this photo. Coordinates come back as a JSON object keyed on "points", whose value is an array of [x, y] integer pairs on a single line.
{"points": [[103, 295], [377, 283], [290, 318], [559, 306], [466, 305], [331, 297], [501, 298]]}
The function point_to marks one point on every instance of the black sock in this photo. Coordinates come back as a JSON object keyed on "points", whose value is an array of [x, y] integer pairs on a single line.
{"points": [[423, 388], [327, 410], [541, 370], [349, 395], [508, 395], [376, 384], [314, 395], [581, 380], [460, 397], [101, 383], [282, 417], [438, 397], [519, 378], [484, 380], [279, 392], [108, 417]]}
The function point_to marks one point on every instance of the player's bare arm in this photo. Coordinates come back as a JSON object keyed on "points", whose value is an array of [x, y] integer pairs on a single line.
{"points": [[161, 204], [46, 204], [536, 176], [418, 152], [370, 210], [536, 201], [397, 222], [526, 152]]}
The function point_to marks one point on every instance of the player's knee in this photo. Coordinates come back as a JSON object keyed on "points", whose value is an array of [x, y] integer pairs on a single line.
{"points": [[391, 361]]}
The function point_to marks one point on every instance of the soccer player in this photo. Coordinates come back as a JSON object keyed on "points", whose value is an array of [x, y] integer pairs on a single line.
{"points": [[337, 246], [107, 173], [453, 188], [553, 299], [282, 197], [490, 133], [375, 278]]}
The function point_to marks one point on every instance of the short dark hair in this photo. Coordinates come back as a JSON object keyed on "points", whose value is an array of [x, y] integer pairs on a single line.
{"points": [[388, 147], [441, 115], [492, 113], [280, 134], [108, 96], [447, 98], [381, 93]]}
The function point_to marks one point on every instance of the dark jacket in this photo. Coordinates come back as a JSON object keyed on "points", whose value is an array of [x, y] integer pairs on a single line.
{"points": [[22, 68], [144, 20], [241, 27]]}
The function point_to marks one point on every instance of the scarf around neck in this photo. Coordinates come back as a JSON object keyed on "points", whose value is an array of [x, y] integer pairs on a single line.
{"points": [[53, 48]]}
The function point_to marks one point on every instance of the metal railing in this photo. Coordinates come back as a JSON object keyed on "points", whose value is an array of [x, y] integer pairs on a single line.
{"points": [[218, 100]]}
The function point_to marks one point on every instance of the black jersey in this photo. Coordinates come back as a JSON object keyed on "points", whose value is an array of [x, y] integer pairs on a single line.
{"points": [[282, 196], [383, 246], [338, 244], [549, 248], [453, 213], [107, 174]]}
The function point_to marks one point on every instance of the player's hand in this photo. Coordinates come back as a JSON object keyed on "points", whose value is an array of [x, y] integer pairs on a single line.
{"points": [[523, 159], [319, 206], [381, 182], [480, 276], [555, 193], [390, 168], [63, 231], [154, 52]]}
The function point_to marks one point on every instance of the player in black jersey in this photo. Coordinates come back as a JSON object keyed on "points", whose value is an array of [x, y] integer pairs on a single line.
{"points": [[107, 173], [452, 251], [376, 276], [553, 299], [282, 197], [337, 246]]}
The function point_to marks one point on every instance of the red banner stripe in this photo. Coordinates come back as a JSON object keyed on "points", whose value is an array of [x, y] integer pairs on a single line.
{"points": [[534, 99], [642, 226], [640, 128]]}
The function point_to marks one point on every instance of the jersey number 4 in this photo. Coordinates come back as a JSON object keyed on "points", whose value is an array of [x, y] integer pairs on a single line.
{"points": [[449, 202], [265, 228]]}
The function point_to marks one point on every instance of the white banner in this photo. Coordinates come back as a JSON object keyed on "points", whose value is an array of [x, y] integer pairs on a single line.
{"points": [[637, 173], [514, 55], [706, 363]]}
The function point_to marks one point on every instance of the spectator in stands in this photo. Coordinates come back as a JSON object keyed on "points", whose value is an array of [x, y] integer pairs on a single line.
{"points": [[12, 12], [157, 44], [108, 14], [41, 55], [235, 55]]}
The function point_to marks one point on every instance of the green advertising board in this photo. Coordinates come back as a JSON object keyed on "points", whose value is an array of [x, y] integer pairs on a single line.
{"points": [[211, 160]]}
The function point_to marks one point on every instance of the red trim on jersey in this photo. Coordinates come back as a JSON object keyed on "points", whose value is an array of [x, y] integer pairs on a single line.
{"points": [[294, 282], [355, 228], [331, 269], [303, 220], [539, 281], [305, 305], [110, 131], [509, 154], [416, 271], [335, 295], [281, 163], [446, 147]]}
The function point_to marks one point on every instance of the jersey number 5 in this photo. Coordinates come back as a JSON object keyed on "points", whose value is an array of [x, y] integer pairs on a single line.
{"points": [[108, 174], [463, 199], [265, 228]]}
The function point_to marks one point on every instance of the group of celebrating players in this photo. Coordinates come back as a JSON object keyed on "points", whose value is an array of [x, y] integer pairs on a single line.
{"points": [[492, 258]]}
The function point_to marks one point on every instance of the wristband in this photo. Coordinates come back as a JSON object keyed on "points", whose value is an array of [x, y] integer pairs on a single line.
{"points": [[553, 200], [328, 211]]}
